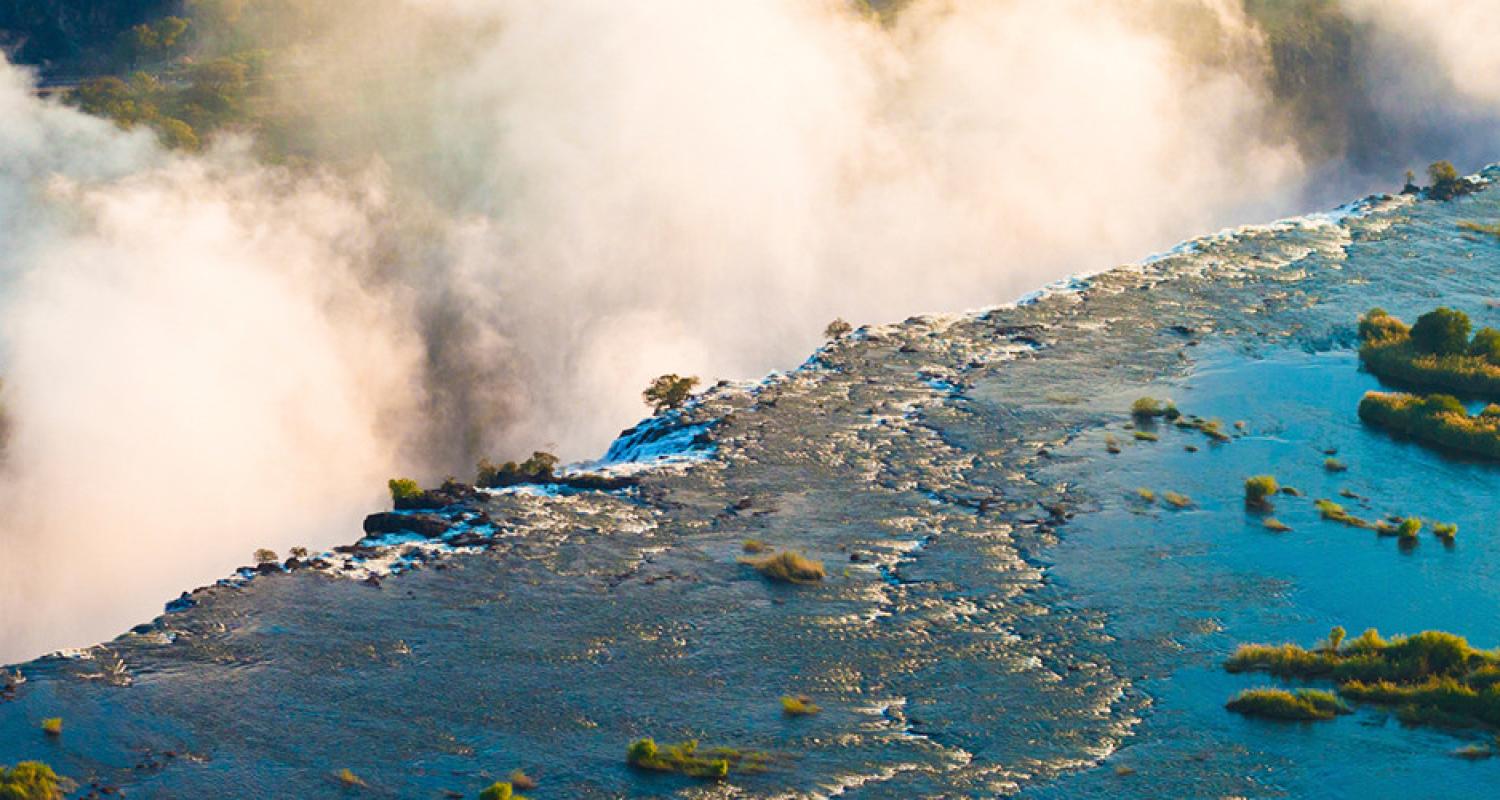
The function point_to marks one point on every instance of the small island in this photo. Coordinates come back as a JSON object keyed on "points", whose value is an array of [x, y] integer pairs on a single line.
{"points": [[1434, 354]]}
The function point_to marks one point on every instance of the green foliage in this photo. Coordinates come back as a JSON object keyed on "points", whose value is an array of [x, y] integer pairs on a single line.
{"points": [[52, 726], [1146, 436], [798, 706], [1334, 512], [540, 468], [153, 41], [837, 329], [1486, 345], [1303, 704], [1334, 465], [265, 556], [30, 780], [1445, 530], [1336, 637], [789, 566], [500, 790], [1433, 677], [1446, 182], [755, 546], [1438, 420], [347, 777], [687, 759], [1442, 331], [1275, 525], [1145, 408], [669, 391], [404, 489], [1376, 325], [1259, 490]]}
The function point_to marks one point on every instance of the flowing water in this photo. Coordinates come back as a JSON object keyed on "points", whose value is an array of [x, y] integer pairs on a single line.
{"points": [[999, 617]]}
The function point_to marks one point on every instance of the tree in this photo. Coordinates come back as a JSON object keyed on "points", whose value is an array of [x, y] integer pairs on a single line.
{"points": [[1446, 183], [265, 556], [837, 329], [669, 391], [1442, 331], [1486, 345], [1336, 638]]}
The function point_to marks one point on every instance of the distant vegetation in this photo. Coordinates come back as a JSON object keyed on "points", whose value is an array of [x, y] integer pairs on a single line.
{"points": [[1303, 704], [52, 726], [1259, 490], [686, 759], [1446, 182], [837, 329], [1434, 354], [500, 790], [540, 468], [800, 706], [669, 391], [30, 780], [1438, 420], [403, 489], [1146, 408], [789, 566], [1430, 678]]}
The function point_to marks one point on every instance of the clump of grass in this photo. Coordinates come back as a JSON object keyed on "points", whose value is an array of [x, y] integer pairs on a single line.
{"points": [[755, 546], [52, 726], [1146, 436], [30, 780], [1145, 495], [1303, 704], [1432, 678], [1291, 491], [1334, 465], [520, 780], [347, 777], [799, 706], [789, 566], [1148, 408], [500, 790], [1445, 530], [1259, 490], [1334, 512], [1274, 524], [1474, 752], [1177, 500], [686, 759]]}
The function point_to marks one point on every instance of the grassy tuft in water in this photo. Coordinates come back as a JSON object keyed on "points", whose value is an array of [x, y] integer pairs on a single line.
{"points": [[500, 790], [1431, 678], [686, 759], [1259, 490], [52, 726], [30, 780], [1176, 500], [1302, 704], [789, 566], [800, 706]]}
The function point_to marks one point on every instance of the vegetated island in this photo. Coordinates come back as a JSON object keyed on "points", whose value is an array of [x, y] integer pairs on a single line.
{"points": [[1431, 678], [1434, 354], [1437, 419]]}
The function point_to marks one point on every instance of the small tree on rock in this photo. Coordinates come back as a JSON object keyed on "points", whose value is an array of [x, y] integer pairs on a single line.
{"points": [[669, 391], [837, 329]]}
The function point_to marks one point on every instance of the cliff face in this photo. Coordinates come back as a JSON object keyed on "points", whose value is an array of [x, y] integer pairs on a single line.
{"points": [[64, 35]]}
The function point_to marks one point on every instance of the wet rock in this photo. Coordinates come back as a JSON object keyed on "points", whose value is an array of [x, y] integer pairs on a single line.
{"points": [[428, 525]]}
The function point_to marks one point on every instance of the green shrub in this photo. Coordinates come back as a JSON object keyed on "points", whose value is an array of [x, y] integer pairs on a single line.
{"points": [[837, 329], [52, 726], [540, 468], [1409, 528], [1442, 331], [1335, 465], [669, 391], [265, 556], [1486, 345], [687, 759], [1146, 436], [1303, 704], [754, 546], [789, 566], [1259, 490], [1334, 512], [1274, 524], [1145, 495], [1446, 182], [30, 780], [404, 489], [1145, 408], [500, 790], [800, 706], [347, 777], [1377, 326], [1445, 530]]}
